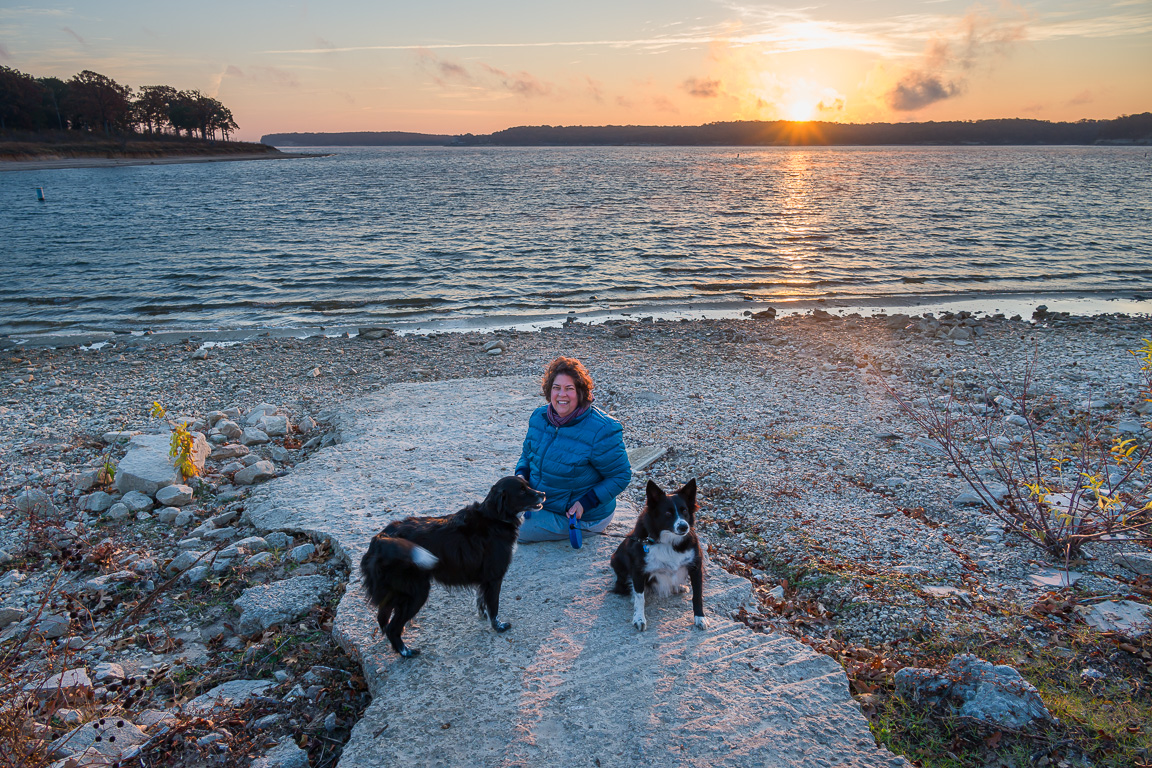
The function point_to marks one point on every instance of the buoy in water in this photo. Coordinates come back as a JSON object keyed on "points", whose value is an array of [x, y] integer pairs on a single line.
{"points": [[40, 194]]}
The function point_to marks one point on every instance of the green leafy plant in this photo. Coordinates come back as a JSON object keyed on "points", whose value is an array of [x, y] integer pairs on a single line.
{"points": [[180, 451]]}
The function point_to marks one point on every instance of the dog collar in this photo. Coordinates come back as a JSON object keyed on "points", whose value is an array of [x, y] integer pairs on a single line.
{"points": [[647, 544]]}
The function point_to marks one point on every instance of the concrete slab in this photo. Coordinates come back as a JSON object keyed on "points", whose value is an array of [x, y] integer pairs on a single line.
{"points": [[572, 683]]}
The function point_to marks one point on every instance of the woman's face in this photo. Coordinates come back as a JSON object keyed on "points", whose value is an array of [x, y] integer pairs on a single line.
{"points": [[565, 397]]}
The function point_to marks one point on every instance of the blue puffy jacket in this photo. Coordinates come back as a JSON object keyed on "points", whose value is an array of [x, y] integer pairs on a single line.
{"points": [[582, 461]]}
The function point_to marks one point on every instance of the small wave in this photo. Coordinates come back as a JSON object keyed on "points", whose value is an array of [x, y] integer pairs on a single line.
{"points": [[913, 279]]}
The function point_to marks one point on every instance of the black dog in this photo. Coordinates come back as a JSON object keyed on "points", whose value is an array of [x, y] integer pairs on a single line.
{"points": [[472, 548], [661, 552]]}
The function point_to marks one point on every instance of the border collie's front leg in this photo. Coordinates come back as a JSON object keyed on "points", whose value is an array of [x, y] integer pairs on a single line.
{"points": [[489, 600], [639, 582], [696, 576]]}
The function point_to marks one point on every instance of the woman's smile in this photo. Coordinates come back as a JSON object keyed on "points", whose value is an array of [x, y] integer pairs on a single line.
{"points": [[565, 397]]}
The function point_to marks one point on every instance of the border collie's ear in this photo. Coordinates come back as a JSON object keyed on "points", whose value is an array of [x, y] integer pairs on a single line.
{"points": [[688, 492], [654, 493]]}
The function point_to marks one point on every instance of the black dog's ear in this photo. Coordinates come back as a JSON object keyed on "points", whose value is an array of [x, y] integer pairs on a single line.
{"points": [[495, 502]]}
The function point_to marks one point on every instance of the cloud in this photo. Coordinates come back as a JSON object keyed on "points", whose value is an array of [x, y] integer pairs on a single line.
{"points": [[1084, 97], [978, 40], [595, 89], [450, 74], [702, 88], [831, 105], [78, 38], [917, 90], [264, 75], [4, 54], [521, 83]]}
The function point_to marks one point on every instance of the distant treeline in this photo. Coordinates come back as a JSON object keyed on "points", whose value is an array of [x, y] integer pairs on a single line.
{"points": [[1129, 129], [93, 103], [357, 139]]}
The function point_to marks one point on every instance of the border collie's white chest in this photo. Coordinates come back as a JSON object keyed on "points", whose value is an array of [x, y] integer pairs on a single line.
{"points": [[667, 568]]}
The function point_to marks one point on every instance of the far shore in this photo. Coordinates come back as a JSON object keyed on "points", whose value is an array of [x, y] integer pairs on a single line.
{"points": [[56, 163]]}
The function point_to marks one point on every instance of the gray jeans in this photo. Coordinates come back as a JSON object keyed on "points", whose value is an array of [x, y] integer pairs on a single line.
{"points": [[545, 526]]}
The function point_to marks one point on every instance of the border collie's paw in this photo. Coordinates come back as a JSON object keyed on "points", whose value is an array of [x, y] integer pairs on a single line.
{"points": [[640, 622], [408, 653], [700, 623], [481, 609], [501, 626]]}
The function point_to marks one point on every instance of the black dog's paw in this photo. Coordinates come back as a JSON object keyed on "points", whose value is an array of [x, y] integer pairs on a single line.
{"points": [[408, 653], [501, 626]]}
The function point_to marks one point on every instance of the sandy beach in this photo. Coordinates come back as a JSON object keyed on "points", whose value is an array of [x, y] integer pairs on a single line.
{"points": [[57, 163], [813, 483]]}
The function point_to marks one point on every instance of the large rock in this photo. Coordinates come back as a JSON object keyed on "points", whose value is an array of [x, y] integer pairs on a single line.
{"points": [[1139, 562], [270, 604], [97, 501], [995, 695], [146, 467], [35, 500], [274, 426], [73, 684], [259, 412], [253, 436], [230, 694], [176, 495], [284, 755], [137, 502], [109, 738], [261, 470], [1124, 616]]}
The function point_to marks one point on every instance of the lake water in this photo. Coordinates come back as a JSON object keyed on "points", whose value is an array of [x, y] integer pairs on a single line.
{"points": [[452, 237]]}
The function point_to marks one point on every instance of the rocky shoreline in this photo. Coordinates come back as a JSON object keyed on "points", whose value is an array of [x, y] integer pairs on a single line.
{"points": [[814, 485]]}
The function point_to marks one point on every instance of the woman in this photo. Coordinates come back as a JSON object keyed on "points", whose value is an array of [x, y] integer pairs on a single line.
{"points": [[573, 452]]}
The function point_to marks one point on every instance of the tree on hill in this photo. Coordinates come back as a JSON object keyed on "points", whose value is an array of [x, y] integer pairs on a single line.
{"points": [[152, 106], [92, 102], [53, 93], [99, 103], [19, 97]]}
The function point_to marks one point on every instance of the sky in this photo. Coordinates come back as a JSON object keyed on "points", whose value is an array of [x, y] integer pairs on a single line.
{"points": [[453, 67]]}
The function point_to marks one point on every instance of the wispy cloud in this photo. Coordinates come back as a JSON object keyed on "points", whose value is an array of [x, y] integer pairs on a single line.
{"points": [[73, 34], [979, 39], [917, 90], [702, 88], [483, 77]]}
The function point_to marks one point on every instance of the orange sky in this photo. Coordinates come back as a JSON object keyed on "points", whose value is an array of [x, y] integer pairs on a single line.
{"points": [[454, 67]]}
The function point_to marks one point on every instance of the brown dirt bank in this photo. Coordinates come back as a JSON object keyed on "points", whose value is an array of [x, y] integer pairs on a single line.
{"points": [[91, 153]]}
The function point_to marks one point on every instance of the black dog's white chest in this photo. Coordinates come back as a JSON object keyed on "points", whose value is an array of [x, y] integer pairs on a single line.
{"points": [[666, 568]]}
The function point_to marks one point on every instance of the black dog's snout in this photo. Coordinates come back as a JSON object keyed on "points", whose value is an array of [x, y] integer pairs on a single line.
{"points": [[681, 527]]}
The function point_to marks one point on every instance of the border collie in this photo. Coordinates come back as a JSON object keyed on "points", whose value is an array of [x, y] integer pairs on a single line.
{"points": [[662, 552], [472, 548]]}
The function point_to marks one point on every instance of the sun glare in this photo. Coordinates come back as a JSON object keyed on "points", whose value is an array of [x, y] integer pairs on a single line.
{"points": [[799, 109]]}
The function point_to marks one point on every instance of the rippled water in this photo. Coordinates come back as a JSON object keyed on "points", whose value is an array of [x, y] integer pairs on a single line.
{"points": [[416, 234]]}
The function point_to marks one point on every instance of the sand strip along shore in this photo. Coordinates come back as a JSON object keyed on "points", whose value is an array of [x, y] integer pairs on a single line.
{"points": [[53, 163]]}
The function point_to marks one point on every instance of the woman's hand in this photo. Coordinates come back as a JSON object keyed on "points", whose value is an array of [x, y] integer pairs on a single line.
{"points": [[576, 510]]}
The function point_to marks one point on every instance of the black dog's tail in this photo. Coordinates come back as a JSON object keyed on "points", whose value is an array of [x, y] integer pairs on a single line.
{"points": [[386, 553]]}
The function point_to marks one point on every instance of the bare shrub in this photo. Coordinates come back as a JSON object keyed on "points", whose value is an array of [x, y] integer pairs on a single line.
{"points": [[1065, 478]]}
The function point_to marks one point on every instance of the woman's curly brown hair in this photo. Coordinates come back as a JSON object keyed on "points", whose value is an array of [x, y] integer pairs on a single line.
{"points": [[574, 368]]}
